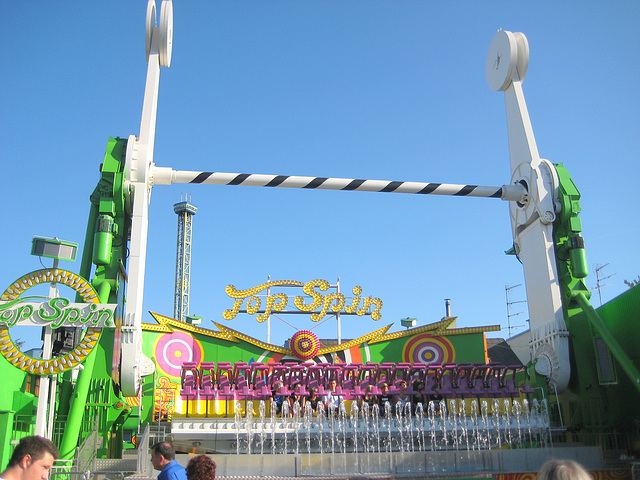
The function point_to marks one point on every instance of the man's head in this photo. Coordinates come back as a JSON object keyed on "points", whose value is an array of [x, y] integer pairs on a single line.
{"points": [[33, 458], [162, 453]]}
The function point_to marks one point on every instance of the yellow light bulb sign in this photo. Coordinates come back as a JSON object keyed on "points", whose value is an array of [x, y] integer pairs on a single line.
{"points": [[56, 313], [332, 302]]}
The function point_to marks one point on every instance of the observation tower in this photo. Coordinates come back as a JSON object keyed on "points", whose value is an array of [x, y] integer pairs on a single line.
{"points": [[185, 212]]}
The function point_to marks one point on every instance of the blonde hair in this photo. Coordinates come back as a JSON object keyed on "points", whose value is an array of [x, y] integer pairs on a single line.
{"points": [[563, 470]]}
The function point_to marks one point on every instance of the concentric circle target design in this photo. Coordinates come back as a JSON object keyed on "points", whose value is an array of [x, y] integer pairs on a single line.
{"points": [[173, 349], [426, 348], [304, 344]]}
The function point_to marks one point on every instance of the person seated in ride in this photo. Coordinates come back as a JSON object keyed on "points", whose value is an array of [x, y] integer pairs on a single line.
{"points": [[385, 398], [294, 398], [436, 398], [277, 400], [332, 400], [402, 398], [313, 399], [419, 397], [368, 397]]}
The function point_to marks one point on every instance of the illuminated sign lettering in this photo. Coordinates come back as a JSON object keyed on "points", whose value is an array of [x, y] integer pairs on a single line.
{"points": [[332, 302], [56, 312]]}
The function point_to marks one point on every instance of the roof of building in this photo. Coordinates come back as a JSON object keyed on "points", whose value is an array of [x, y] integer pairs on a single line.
{"points": [[500, 352]]}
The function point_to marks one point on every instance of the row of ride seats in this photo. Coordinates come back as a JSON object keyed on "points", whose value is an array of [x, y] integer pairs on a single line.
{"points": [[257, 381]]}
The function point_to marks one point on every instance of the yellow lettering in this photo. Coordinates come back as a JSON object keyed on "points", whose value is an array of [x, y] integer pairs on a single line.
{"points": [[231, 314], [253, 305], [272, 306], [375, 315], [334, 302], [309, 290], [328, 300], [357, 290]]}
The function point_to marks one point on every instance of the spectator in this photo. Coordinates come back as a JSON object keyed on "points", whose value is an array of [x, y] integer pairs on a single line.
{"points": [[563, 470], [32, 458], [163, 458], [201, 468]]}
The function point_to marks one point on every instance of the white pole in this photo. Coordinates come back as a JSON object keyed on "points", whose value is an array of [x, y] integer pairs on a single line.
{"points": [[44, 399], [338, 316]]}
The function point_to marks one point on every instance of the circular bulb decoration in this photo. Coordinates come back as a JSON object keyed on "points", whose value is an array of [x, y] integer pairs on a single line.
{"points": [[304, 345]]}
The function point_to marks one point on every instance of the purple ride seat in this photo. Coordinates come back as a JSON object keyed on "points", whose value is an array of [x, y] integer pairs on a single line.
{"points": [[189, 379], [189, 382], [383, 374], [224, 379], [351, 380], [368, 377], [259, 377], [435, 370], [430, 385], [478, 379], [242, 380], [333, 372], [508, 383], [277, 374], [446, 386], [315, 378], [492, 380], [297, 374], [460, 380], [400, 373], [418, 371], [207, 383]]}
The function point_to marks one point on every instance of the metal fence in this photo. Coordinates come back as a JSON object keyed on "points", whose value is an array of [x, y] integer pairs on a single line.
{"points": [[86, 453], [86, 475]]}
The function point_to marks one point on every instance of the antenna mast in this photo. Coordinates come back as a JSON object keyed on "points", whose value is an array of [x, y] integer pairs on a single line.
{"points": [[507, 289], [598, 279]]}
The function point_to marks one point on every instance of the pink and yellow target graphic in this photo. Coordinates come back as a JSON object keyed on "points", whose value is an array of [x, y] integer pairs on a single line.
{"points": [[173, 349], [426, 348], [304, 344]]}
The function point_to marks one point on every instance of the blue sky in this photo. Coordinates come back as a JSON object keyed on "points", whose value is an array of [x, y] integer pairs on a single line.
{"points": [[360, 89]]}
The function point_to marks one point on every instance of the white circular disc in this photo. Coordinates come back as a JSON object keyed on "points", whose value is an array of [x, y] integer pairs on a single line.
{"points": [[166, 33], [523, 55], [151, 23], [501, 60]]}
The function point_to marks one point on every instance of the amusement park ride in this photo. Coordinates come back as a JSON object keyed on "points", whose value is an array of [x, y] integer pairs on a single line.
{"points": [[575, 350]]}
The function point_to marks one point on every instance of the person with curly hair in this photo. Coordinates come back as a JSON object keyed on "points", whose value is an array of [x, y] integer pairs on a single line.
{"points": [[201, 468], [563, 470]]}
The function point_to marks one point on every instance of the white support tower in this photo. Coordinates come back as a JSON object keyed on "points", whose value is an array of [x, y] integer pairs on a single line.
{"points": [[185, 212]]}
